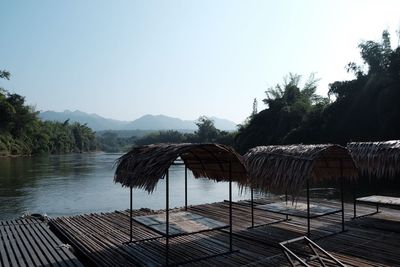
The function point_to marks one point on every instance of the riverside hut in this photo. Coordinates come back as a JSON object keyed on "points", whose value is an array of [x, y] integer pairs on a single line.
{"points": [[144, 166], [291, 168], [376, 161]]}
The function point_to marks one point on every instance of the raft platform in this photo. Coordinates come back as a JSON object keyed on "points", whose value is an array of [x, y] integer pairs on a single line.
{"points": [[29, 242], [102, 239]]}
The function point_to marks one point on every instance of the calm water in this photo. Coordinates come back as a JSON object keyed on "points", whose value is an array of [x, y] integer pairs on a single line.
{"points": [[83, 183]]}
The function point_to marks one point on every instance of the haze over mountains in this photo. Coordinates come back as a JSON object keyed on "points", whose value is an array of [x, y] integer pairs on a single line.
{"points": [[146, 122]]}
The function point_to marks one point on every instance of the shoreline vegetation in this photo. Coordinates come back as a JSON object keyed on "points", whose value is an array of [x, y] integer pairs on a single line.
{"points": [[363, 109]]}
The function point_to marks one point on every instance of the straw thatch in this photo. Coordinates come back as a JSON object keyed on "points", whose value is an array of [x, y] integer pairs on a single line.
{"points": [[144, 166], [286, 168], [377, 159]]}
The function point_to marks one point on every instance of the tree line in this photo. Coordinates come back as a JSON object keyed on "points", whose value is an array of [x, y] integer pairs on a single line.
{"points": [[365, 108], [23, 133], [207, 133]]}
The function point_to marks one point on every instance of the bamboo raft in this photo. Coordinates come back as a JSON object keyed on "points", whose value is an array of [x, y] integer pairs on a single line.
{"points": [[29, 242], [101, 239]]}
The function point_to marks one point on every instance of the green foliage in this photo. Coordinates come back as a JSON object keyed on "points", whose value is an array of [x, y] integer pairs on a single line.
{"points": [[206, 133], [22, 133], [365, 108], [288, 106], [169, 136], [109, 141]]}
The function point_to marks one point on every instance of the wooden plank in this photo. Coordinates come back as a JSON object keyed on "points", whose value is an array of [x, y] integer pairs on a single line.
{"points": [[45, 247], [7, 244], [28, 243], [384, 200], [297, 209], [181, 223], [32, 241], [102, 237], [3, 256], [24, 249], [64, 255]]}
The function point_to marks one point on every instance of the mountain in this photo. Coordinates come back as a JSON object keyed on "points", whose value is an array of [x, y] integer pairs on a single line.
{"points": [[94, 121], [160, 122], [146, 122]]}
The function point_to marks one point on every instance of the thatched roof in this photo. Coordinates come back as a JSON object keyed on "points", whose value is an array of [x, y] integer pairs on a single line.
{"points": [[144, 166], [377, 159], [286, 168]]}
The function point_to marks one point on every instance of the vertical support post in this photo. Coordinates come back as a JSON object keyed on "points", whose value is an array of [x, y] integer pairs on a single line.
{"points": [[230, 207], [130, 216], [377, 189], [252, 207], [341, 192], [167, 218], [308, 207], [286, 199], [354, 199], [185, 188]]}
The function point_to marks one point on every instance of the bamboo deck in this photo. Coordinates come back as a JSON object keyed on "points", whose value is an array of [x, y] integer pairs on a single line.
{"points": [[100, 239], [29, 242]]}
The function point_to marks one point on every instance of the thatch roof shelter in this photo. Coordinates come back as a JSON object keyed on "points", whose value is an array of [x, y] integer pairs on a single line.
{"points": [[286, 168], [289, 169], [144, 166], [377, 159]]}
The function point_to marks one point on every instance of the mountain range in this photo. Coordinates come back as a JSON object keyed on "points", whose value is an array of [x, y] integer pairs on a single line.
{"points": [[146, 122]]}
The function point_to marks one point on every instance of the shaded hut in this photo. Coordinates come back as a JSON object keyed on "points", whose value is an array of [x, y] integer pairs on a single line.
{"points": [[289, 169], [376, 161], [144, 166]]}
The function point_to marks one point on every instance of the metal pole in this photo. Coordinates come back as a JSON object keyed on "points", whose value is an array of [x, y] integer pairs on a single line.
{"points": [[377, 192], [341, 192], [354, 199], [130, 217], [286, 199], [167, 218], [252, 207], [308, 207], [230, 206], [185, 188]]}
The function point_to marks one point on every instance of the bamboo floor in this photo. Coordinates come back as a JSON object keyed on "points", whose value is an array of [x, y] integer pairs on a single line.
{"points": [[100, 239], [29, 242]]}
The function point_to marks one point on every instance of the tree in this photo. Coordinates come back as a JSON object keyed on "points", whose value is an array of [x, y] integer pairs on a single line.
{"points": [[5, 74], [206, 130], [287, 108]]}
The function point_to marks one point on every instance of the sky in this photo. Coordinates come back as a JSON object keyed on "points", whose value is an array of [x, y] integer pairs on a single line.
{"points": [[124, 59]]}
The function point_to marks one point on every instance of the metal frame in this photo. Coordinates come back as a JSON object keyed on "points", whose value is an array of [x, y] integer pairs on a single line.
{"points": [[295, 260], [365, 202], [167, 236], [308, 217], [264, 224]]}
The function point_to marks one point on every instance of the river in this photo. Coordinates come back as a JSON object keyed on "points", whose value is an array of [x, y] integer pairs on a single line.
{"points": [[62, 185]]}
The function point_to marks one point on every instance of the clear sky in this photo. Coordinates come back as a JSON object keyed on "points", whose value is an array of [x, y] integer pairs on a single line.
{"points": [[124, 59]]}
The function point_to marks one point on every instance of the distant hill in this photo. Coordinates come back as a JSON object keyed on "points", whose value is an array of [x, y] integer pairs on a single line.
{"points": [[146, 122], [94, 121]]}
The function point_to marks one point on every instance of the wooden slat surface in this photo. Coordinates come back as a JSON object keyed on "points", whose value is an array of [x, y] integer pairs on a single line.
{"points": [[297, 209], [29, 242], [180, 223], [380, 200], [102, 238]]}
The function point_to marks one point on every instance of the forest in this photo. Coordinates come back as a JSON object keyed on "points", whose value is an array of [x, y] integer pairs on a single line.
{"points": [[23, 133], [365, 108]]}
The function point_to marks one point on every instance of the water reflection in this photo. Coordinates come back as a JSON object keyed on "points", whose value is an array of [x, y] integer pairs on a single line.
{"points": [[83, 183]]}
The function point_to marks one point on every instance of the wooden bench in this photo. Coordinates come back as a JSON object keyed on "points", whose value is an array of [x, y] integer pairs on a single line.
{"points": [[376, 200]]}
